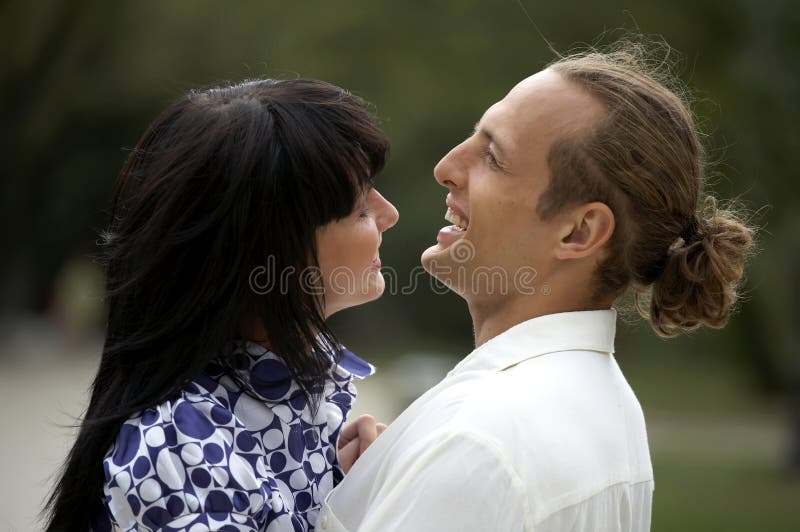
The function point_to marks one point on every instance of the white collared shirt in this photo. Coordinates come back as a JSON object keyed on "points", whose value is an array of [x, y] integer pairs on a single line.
{"points": [[535, 430]]}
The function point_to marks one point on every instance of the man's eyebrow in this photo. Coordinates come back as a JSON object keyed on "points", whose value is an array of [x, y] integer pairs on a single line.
{"points": [[478, 129]]}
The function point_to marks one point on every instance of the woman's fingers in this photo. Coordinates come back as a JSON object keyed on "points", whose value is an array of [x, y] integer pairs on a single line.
{"points": [[367, 431], [355, 438], [348, 454], [353, 429], [348, 433]]}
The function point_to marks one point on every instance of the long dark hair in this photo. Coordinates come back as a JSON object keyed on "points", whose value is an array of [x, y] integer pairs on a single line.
{"points": [[224, 182]]}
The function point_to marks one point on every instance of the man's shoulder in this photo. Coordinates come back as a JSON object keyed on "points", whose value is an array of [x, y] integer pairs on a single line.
{"points": [[530, 387], [563, 421]]}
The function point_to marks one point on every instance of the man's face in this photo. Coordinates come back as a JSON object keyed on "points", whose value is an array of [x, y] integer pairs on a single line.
{"points": [[495, 178]]}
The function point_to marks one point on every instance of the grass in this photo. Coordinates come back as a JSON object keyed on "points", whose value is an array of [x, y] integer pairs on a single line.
{"points": [[706, 494]]}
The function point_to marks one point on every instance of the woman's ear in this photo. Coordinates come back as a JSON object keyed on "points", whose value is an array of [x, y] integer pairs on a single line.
{"points": [[586, 230]]}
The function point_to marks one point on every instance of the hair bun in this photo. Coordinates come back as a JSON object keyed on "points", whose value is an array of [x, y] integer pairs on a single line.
{"points": [[698, 285]]}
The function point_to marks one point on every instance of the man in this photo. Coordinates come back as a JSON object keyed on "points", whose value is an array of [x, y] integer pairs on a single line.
{"points": [[583, 182]]}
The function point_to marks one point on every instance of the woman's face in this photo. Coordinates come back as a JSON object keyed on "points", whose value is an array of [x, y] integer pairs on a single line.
{"points": [[347, 250]]}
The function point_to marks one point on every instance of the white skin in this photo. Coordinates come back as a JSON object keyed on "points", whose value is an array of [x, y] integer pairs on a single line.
{"points": [[495, 178], [349, 264], [347, 251], [348, 255]]}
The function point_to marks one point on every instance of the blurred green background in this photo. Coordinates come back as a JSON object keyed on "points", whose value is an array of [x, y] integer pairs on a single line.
{"points": [[80, 81]]}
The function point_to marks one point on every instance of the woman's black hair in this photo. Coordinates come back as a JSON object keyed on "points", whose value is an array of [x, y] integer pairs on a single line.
{"points": [[226, 183]]}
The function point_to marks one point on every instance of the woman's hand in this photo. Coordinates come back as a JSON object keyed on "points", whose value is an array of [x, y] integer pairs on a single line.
{"points": [[355, 438]]}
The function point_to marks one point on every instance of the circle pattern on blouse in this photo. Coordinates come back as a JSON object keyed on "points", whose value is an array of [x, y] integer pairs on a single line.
{"points": [[216, 458]]}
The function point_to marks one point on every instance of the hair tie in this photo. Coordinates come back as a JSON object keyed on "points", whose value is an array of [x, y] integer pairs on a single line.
{"points": [[692, 232]]}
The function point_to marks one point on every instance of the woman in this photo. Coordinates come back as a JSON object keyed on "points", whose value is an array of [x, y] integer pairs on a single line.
{"points": [[221, 391]]}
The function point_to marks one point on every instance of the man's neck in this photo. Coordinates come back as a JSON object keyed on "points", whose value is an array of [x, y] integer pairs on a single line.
{"points": [[491, 318]]}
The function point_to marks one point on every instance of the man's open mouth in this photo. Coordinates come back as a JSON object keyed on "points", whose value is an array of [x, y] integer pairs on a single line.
{"points": [[460, 223]]}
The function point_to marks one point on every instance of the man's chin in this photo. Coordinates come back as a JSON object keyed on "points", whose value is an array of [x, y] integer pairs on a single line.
{"points": [[431, 256], [436, 260]]}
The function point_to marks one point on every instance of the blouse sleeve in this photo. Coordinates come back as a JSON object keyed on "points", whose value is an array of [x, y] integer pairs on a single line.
{"points": [[187, 463]]}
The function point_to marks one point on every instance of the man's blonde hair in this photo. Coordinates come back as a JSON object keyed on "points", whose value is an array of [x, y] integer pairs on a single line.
{"points": [[682, 256]]}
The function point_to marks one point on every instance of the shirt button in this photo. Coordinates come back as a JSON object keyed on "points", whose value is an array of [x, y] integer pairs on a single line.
{"points": [[324, 522]]}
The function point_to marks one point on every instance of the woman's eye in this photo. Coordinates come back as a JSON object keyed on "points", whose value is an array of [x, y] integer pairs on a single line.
{"points": [[364, 213]]}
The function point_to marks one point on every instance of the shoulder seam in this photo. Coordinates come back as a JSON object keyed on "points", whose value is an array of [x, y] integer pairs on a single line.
{"points": [[499, 454]]}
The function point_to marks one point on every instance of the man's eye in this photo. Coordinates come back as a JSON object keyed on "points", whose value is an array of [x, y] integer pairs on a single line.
{"points": [[489, 157]]}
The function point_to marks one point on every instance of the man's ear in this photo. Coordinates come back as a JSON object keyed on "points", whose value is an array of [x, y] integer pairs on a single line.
{"points": [[585, 230]]}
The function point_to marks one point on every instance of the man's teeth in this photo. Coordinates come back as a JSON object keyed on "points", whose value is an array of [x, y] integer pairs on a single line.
{"points": [[460, 223]]}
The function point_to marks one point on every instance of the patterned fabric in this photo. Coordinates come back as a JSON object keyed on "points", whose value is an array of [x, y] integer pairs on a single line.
{"points": [[216, 459]]}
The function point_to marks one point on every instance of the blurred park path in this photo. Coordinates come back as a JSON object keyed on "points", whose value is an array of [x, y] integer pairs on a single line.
{"points": [[43, 383]]}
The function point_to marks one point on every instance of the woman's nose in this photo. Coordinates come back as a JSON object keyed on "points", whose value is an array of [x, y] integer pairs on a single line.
{"points": [[388, 214]]}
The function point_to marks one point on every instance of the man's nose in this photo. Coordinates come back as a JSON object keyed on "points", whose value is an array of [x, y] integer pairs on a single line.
{"points": [[450, 172]]}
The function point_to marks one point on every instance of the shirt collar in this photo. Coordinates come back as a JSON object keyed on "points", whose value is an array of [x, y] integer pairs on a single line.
{"points": [[352, 366], [270, 377], [589, 330]]}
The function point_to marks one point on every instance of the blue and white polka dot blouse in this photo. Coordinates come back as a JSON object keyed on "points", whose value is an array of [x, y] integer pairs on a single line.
{"points": [[216, 459]]}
